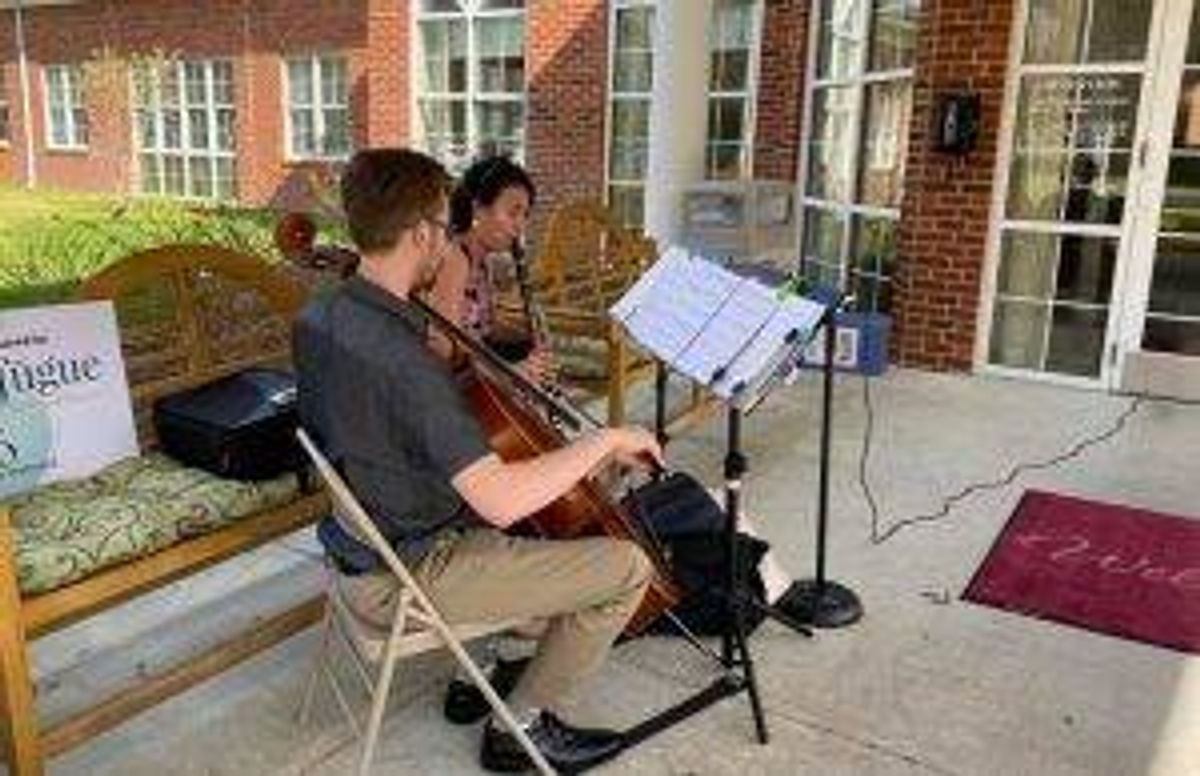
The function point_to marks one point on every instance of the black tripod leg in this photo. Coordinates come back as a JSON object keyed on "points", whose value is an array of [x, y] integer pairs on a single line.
{"points": [[739, 635]]}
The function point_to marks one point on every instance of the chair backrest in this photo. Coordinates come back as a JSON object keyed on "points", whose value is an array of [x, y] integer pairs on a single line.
{"points": [[347, 508]]}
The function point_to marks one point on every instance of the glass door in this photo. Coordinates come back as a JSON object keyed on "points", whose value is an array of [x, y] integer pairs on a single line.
{"points": [[1164, 278], [1071, 170]]}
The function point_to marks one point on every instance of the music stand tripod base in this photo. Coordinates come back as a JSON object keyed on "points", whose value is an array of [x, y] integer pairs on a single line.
{"points": [[822, 604]]}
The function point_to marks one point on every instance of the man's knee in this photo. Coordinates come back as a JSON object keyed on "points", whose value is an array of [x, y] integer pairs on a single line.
{"points": [[639, 569]]}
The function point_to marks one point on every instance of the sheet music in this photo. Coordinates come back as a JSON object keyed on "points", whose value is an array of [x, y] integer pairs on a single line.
{"points": [[744, 312], [674, 306], [789, 327], [723, 330]]}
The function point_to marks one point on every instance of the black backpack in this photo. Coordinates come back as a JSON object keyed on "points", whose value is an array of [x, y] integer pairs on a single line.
{"points": [[689, 526]]}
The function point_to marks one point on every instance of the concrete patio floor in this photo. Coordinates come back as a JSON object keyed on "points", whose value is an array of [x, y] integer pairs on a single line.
{"points": [[924, 684]]}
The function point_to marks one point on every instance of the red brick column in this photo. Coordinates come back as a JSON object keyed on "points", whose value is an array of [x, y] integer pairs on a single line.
{"points": [[963, 46], [782, 63], [387, 59], [566, 59]]}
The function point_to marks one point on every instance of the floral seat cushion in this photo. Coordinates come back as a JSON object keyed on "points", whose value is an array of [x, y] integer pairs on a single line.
{"points": [[137, 506]]}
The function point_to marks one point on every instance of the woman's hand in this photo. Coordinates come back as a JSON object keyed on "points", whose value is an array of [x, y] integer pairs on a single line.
{"points": [[539, 366]]}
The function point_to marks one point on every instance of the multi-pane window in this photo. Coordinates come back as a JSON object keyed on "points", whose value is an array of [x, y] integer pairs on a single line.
{"points": [[632, 73], [733, 49], [318, 96], [861, 103], [66, 112], [471, 79], [184, 127]]}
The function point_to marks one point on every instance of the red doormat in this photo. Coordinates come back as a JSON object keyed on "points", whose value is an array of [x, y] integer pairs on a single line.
{"points": [[1112, 569]]}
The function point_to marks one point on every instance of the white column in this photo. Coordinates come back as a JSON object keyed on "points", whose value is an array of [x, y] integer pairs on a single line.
{"points": [[678, 112]]}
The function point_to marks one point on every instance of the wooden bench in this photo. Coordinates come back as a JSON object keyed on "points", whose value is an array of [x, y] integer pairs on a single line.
{"points": [[187, 315]]}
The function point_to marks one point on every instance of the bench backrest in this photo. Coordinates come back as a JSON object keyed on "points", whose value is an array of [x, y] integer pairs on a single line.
{"points": [[189, 314]]}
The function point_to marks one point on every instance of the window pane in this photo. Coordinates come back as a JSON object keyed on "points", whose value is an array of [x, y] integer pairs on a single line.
{"points": [[1175, 289], [173, 180], [334, 89], [172, 130], [500, 126], [631, 118], [724, 161], [888, 107], [1076, 340], [222, 83], [337, 132], [634, 71], [304, 141], [729, 71], [1075, 31], [501, 52], [200, 170], [829, 146], [195, 89], [894, 34], [300, 85], [823, 235], [80, 117], [444, 42], [628, 203], [841, 37], [873, 245], [226, 129], [725, 117], [1027, 262], [225, 178], [151, 178], [1018, 334], [198, 129], [635, 27], [1073, 144]]}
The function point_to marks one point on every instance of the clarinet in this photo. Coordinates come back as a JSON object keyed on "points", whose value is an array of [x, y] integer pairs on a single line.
{"points": [[535, 318]]}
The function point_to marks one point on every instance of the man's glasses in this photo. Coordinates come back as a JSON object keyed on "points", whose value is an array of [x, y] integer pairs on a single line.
{"points": [[443, 225]]}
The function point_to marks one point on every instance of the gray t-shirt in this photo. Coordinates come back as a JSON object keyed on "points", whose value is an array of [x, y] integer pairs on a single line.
{"points": [[386, 410]]}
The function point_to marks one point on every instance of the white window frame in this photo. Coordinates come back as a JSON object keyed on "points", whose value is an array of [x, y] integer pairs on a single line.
{"points": [[187, 150], [613, 96], [469, 12], [317, 108], [77, 136], [1139, 206], [747, 96], [858, 83]]}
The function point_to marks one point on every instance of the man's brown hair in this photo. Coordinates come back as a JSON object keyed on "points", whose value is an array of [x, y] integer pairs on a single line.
{"points": [[388, 190]]}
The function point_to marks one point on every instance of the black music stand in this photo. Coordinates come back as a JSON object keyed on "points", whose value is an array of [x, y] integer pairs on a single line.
{"points": [[740, 390], [819, 601]]}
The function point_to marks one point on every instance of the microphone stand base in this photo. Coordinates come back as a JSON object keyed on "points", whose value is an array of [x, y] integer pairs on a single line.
{"points": [[825, 604]]}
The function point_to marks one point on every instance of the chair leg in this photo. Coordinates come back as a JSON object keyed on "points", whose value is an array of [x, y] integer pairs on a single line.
{"points": [[378, 702], [22, 750], [315, 674]]}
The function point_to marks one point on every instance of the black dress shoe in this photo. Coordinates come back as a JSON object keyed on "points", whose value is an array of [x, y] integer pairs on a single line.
{"points": [[568, 749], [465, 704]]}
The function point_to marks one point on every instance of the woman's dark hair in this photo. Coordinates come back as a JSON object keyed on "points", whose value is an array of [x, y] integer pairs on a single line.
{"points": [[482, 184]]}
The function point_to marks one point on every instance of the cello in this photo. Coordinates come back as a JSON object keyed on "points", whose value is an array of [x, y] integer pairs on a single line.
{"points": [[501, 398]]}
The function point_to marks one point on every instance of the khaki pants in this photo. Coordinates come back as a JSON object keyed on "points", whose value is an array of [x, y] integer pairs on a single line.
{"points": [[585, 589]]}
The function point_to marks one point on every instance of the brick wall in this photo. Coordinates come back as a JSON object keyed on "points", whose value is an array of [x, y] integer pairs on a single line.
{"points": [[781, 71], [567, 61], [257, 36], [963, 45], [10, 89]]}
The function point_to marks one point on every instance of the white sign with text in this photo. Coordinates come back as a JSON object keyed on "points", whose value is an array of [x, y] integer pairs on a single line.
{"points": [[64, 400]]}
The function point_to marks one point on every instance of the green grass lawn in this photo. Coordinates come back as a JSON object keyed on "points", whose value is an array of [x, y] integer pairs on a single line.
{"points": [[49, 240]]}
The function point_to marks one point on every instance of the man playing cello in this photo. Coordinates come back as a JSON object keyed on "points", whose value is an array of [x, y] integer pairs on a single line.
{"points": [[388, 412]]}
